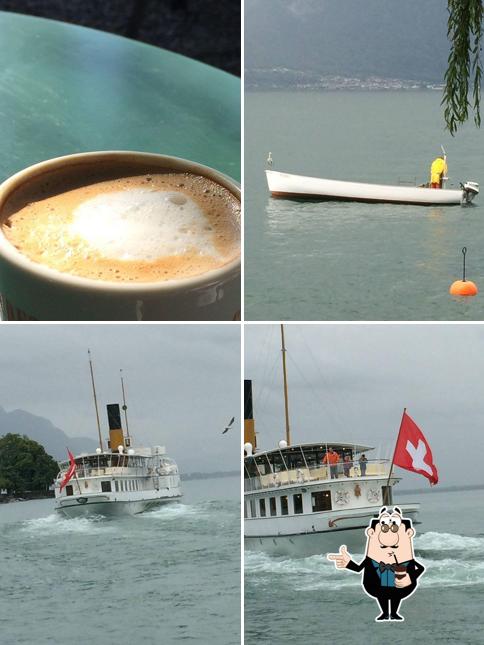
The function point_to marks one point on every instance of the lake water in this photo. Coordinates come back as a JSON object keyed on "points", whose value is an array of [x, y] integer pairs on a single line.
{"points": [[308, 600], [347, 260], [167, 576]]}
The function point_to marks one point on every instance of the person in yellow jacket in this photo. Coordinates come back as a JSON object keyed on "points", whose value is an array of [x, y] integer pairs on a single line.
{"points": [[438, 170]]}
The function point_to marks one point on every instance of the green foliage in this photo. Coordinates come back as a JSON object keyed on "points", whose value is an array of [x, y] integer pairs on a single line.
{"points": [[464, 30], [24, 465]]}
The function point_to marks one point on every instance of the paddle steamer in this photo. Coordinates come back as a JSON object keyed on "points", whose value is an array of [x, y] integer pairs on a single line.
{"points": [[118, 480], [297, 503]]}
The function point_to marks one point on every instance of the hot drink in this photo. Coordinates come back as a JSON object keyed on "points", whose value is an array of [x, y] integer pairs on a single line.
{"points": [[400, 571], [121, 224]]}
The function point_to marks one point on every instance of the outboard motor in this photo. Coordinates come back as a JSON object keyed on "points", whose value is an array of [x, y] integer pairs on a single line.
{"points": [[469, 190]]}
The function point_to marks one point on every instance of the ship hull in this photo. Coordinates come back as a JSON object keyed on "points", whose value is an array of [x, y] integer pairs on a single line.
{"points": [[72, 508], [307, 544], [304, 544]]}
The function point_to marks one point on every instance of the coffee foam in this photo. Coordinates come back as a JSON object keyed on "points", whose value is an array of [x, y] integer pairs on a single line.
{"points": [[140, 224], [142, 228]]}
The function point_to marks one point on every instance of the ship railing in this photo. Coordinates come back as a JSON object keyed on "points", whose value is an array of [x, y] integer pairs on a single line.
{"points": [[341, 470], [94, 471]]}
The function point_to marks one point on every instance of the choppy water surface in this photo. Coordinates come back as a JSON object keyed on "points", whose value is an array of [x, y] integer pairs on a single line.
{"points": [[347, 260], [167, 576], [288, 600]]}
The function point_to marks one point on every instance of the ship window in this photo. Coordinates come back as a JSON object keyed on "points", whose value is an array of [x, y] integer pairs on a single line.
{"points": [[245, 509], [298, 503], [284, 507], [262, 507], [106, 487], [321, 501], [116, 486], [86, 484], [272, 506], [69, 490], [252, 508]]}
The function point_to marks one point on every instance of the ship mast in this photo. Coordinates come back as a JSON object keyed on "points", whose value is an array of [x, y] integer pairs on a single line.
{"points": [[286, 402], [125, 407], [95, 402]]}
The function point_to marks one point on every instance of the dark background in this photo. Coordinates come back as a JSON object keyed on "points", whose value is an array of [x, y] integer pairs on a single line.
{"points": [[207, 30]]}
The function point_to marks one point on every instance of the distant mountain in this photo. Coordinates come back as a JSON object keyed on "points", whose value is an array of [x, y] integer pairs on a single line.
{"points": [[375, 38], [44, 432]]}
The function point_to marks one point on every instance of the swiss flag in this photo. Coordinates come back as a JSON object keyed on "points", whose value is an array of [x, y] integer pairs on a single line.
{"points": [[70, 471], [412, 451]]}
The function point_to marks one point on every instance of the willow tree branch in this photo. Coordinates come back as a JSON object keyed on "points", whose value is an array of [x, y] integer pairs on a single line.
{"points": [[464, 31]]}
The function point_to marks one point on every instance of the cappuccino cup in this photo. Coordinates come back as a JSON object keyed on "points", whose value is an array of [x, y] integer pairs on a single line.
{"points": [[120, 236]]}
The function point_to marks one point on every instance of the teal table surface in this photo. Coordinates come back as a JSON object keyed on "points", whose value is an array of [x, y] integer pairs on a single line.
{"points": [[66, 89]]}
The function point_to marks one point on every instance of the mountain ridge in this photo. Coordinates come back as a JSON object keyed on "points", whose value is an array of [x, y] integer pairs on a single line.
{"points": [[54, 440]]}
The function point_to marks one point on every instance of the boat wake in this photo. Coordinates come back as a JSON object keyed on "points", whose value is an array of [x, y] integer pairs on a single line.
{"points": [[206, 514], [451, 561], [173, 511], [55, 524], [434, 542]]}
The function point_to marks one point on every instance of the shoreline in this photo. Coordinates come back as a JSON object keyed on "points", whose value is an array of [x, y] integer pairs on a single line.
{"points": [[26, 497]]}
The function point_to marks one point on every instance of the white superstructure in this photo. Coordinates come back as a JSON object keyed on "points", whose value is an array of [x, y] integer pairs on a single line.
{"points": [[297, 504], [119, 480]]}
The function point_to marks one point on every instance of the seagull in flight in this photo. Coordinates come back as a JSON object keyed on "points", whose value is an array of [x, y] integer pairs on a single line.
{"points": [[229, 425]]}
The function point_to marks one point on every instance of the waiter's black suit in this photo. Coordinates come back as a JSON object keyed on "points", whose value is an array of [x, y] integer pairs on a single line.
{"points": [[373, 586]]}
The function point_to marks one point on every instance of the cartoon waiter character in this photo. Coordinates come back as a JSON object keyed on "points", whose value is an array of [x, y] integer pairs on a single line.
{"points": [[390, 571]]}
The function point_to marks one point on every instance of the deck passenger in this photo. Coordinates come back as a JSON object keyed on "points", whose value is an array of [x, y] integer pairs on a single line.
{"points": [[347, 466], [363, 461], [438, 170], [332, 458]]}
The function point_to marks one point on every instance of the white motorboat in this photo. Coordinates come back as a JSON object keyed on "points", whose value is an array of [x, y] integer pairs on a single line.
{"points": [[282, 184], [119, 480], [297, 503]]}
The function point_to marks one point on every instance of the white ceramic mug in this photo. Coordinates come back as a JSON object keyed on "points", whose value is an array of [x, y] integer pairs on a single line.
{"points": [[31, 291]]}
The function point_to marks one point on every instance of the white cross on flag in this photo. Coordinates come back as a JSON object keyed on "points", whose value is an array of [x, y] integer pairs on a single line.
{"points": [[412, 451]]}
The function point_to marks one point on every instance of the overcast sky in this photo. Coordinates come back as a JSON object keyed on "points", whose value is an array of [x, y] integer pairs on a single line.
{"points": [[388, 38], [182, 383], [351, 383]]}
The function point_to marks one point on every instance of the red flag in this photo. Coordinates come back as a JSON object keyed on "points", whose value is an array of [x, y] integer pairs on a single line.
{"points": [[70, 472], [412, 451]]}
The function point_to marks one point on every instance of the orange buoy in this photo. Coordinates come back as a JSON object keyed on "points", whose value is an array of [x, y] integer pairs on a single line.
{"points": [[463, 287]]}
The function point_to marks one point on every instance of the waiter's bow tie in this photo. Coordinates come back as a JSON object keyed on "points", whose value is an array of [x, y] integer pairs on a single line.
{"points": [[386, 567]]}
